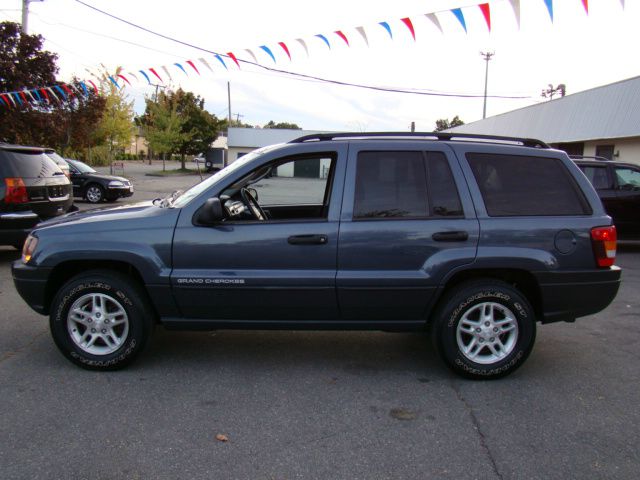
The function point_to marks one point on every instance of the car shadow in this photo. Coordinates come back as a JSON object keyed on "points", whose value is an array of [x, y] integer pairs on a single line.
{"points": [[350, 353]]}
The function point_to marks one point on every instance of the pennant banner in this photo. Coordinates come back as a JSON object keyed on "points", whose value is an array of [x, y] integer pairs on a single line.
{"points": [[63, 91]]}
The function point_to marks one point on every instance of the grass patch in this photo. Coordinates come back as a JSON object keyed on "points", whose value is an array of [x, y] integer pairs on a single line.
{"points": [[174, 172]]}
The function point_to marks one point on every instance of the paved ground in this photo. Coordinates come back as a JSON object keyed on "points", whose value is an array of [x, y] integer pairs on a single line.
{"points": [[328, 405]]}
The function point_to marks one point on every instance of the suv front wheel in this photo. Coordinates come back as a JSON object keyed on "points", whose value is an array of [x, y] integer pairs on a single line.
{"points": [[100, 320], [484, 329]]}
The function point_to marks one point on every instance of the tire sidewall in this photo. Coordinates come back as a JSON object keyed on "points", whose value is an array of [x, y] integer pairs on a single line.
{"points": [[468, 298], [138, 324]]}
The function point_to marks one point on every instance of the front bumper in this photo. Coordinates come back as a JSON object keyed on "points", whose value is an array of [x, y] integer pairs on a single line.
{"points": [[31, 283], [569, 295], [120, 192]]}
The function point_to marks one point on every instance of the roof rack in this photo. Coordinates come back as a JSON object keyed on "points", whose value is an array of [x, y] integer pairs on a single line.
{"points": [[442, 136], [590, 157]]}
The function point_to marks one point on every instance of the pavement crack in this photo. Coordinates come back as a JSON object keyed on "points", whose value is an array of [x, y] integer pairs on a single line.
{"points": [[476, 426], [15, 352]]}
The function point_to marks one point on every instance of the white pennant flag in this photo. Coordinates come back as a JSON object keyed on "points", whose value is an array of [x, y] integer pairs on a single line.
{"points": [[364, 35], [515, 4], [434, 19], [302, 42]]}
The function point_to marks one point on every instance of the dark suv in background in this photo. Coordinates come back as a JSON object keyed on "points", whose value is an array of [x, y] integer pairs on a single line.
{"points": [[32, 189], [476, 239], [618, 186]]}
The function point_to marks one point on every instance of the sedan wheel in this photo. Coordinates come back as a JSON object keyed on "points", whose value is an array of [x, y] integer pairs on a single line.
{"points": [[94, 193]]}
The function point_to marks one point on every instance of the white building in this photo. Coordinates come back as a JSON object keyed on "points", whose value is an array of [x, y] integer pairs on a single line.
{"points": [[241, 141], [603, 121]]}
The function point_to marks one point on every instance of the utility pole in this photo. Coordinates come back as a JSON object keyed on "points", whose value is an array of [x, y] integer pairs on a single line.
{"points": [[25, 15], [487, 56], [229, 102]]}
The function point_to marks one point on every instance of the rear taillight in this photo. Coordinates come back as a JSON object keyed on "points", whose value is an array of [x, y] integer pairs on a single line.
{"points": [[604, 241], [16, 191]]}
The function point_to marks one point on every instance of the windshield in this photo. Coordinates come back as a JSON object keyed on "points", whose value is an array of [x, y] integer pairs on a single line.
{"points": [[81, 167], [196, 190]]}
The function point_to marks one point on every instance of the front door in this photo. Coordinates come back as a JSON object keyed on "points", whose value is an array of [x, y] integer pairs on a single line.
{"points": [[405, 223], [280, 268]]}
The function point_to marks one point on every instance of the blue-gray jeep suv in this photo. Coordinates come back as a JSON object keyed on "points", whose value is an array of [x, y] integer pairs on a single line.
{"points": [[476, 239]]}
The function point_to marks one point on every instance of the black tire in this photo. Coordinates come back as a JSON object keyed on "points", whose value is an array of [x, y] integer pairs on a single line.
{"points": [[485, 301], [94, 193], [118, 293]]}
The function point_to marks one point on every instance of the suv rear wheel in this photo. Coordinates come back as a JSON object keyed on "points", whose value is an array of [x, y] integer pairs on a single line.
{"points": [[100, 320], [484, 329]]}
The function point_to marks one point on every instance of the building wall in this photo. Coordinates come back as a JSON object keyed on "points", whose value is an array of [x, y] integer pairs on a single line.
{"points": [[234, 151], [628, 149]]}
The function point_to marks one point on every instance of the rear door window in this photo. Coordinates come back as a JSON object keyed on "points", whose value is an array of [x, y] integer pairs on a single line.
{"points": [[27, 164], [514, 185], [405, 184], [597, 175]]}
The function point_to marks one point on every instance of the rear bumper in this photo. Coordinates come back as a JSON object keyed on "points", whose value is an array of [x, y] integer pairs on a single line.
{"points": [[31, 284], [569, 295]]}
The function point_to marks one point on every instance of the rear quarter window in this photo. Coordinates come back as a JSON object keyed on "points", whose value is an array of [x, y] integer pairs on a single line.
{"points": [[27, 165], [513, 185]]}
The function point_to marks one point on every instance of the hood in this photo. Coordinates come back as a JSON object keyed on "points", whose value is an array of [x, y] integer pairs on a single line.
{"points": [[135, 212]]}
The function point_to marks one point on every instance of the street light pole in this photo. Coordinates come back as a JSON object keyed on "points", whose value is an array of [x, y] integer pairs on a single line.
{"points": [[487, 56]]}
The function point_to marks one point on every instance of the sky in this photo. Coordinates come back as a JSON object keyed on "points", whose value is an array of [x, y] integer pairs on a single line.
{"points": [[579, 50]]}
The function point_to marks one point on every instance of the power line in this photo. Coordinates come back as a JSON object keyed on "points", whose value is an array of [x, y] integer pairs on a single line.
{"points": [[295, 74]]}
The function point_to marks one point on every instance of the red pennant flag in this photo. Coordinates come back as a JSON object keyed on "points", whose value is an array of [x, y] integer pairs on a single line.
{"points": [[44, 93], [156, 74], [343, 37], [407, 22], [124, 78], [486, 11], [4, 97], [586, 6], [285, 48], [24, 97], [93, 85], [67, 89], [233, 57], [193, 66]]}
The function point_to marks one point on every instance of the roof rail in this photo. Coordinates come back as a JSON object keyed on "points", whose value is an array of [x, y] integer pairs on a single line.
{"points": [[442, 136], [590, 157]]}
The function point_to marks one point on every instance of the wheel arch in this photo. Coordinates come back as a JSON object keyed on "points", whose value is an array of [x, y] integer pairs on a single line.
{"points": [[522, 280], [66, 270]]}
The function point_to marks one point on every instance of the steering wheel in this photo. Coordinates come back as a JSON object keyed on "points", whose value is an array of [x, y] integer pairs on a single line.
{"points": [[252, 204]]}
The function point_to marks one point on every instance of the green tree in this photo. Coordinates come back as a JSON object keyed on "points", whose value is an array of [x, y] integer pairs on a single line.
{"points": [[116, 126], [284, 125], [163, 126], [199, 128], [445, 124], [62, 124]]}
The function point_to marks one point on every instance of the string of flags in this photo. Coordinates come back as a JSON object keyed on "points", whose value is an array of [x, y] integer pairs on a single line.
{"points": [[63, 91]]}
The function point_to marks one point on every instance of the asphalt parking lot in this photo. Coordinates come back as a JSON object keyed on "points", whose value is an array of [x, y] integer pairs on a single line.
{"points": [[326, 405]]}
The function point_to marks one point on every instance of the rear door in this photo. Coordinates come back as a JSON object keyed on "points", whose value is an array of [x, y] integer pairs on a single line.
{"points": [[407, 220]]}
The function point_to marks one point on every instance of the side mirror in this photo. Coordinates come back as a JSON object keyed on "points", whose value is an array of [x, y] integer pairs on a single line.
{"points": [[253, 192], [211, 212]]}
